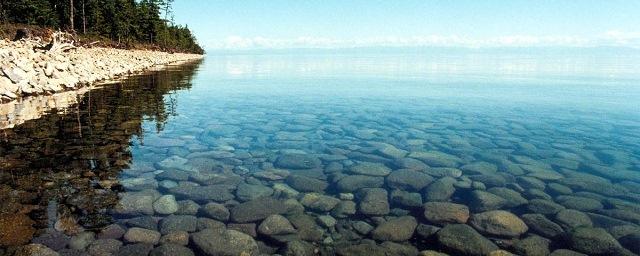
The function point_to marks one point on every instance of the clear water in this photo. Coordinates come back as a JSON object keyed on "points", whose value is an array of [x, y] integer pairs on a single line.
{"points": [[557, 130]]}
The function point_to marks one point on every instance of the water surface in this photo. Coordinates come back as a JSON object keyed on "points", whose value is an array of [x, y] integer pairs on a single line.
{"points": [[340, 144]]}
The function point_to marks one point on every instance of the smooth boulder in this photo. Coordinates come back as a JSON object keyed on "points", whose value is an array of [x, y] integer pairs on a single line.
{"points": [[223, 242], [499, 223]]}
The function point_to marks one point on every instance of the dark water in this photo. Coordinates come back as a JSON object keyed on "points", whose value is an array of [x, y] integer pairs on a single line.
{"points": [[543, 155]]}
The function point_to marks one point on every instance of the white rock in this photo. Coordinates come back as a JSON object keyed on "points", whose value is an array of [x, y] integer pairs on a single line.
{"points": [[15, 74]]}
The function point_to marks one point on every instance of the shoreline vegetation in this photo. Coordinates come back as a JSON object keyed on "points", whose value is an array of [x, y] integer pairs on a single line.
{"points": [[127, 24], [103, 40]]}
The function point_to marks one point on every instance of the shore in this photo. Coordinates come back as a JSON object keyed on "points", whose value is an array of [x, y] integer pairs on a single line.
{"points": [[26, 70]]}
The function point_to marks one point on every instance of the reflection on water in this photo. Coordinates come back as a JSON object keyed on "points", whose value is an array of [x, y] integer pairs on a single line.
{"points": [[15, 113], [73, 155], [334, 154]]}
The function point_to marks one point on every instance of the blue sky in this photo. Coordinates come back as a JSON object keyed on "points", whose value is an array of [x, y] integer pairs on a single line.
{"points": [[242, 24]]}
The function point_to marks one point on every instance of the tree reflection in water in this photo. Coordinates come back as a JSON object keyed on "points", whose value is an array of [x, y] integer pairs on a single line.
{"points": [[61, 169]]}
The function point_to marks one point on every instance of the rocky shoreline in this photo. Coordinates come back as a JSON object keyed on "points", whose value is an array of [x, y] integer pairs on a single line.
{"points": [[27, 70]]}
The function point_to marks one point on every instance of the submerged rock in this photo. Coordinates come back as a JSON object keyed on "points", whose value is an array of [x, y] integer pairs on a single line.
{"points": [[499, 223], [35, 250], [299, 248], [361, 249], [436, 158], [571, 218], [443, 213], [319, 202], [165, 205], [370, 169], [539, 224], [406, 199], [140, 235], [545, 207], [408, 180], [481, 201], [579, 203], [135, 204], [355, 182], [398, 229], [440, 190], [297, 161], [172, 223], [16, 229], [276, 225], [221, 242], [171, 250], [135, 249], [532, 245], [247, 192], [218, 193], [464, 240], [257, 210], [374, 202], [306, 184], [104, 246], [593, 241], [216, 211]]}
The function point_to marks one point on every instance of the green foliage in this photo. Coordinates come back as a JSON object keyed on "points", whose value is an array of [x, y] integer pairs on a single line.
{"points": [[124, 21]]}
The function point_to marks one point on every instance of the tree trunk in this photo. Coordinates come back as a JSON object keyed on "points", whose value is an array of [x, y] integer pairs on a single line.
{"points": [[84, 20], [71, 14]]}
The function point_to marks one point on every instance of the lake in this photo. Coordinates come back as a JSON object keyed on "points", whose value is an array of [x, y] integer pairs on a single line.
{"points": [[334, 153]]}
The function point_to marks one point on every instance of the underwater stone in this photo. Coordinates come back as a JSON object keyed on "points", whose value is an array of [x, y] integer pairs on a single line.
{"points": [[276, 225], [355, 182], [370, 169], [176, 237], [398, 229], [440, 190], [102, 246], [443, 212], [545, 207], [513, 198], [481, 201], [374, 202], [174, 223], [319, 202], [593, 241], [532, 245], [135, 249], [224, 243], [246, 192], [406, 199], [218, 193], [464, 240], [297, 161], [436, 158], [81, 240], [408, 180], [171, 250], [141, 235], [569, 219], [166, 205], [579, 203], [499, 223], [257, 210], [539, 224], [216, 211], [187, 207], [135, 204], [306, 184]]}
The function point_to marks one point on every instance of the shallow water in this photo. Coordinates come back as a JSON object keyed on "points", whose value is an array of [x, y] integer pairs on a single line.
{"points": [[552, 140]]}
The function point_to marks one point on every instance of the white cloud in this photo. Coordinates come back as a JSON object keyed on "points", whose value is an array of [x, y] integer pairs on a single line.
{"points": [[609, 38]]}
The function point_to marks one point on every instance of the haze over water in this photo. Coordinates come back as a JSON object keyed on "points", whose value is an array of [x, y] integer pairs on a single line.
{"points": [[534, 151]]}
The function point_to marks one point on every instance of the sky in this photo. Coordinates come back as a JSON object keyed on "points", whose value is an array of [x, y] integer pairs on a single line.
{"points": [[258, 24]]}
